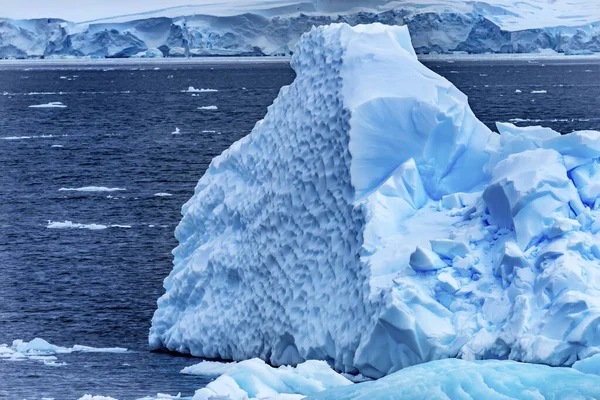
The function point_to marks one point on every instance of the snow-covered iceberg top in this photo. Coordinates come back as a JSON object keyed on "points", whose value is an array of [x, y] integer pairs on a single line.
{"points": [[372, 221]]}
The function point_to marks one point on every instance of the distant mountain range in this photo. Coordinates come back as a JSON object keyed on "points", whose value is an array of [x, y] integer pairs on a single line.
{"points": [[272, 27]]}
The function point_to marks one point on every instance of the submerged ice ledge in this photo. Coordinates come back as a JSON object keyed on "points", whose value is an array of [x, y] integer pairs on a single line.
{"points": [[370, 220]]}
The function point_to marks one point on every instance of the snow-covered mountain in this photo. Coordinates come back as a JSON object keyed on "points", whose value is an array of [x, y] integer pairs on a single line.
{"points": [[272, 27]]}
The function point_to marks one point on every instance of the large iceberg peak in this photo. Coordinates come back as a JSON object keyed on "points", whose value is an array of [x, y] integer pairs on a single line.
{"points": [[370, 220]]}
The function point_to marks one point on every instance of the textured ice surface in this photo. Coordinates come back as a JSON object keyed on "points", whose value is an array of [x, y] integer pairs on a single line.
{"points": [[372, 221], [253, 379], [479, 380]]}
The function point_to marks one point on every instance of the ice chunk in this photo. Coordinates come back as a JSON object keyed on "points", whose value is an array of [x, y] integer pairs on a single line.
{"points": [[425, 260], [74, 225], [91, 189], [53, 104], [208, 368], [192, 89], [589, 365], [449, 249], [254, 380], [40, 350], [208, 108]]}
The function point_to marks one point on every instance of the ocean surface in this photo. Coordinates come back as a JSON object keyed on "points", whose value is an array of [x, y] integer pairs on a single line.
{"points": [[90, 195]]}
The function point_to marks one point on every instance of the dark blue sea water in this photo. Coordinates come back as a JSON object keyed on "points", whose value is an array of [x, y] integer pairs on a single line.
{"points": [[99, 287]]}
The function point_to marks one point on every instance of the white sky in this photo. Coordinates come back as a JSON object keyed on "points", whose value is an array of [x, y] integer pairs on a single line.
{"points": [[82, 10]]}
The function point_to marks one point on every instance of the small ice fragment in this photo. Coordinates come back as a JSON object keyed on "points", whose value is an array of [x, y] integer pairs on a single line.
{"points": [[210, 108], [425, 260], [53, 104], [176, 131], [91, 189], [539, 91], [192, 89], [209, 368]]}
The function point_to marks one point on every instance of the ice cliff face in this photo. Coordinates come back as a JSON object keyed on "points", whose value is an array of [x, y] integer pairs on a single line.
{"points": [[372, 221], [496, 26]]}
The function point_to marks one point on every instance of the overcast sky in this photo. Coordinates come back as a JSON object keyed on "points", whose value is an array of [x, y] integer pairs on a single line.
{"points": [[82, 10]]}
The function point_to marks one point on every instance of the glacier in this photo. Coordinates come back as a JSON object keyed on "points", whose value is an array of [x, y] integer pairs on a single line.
{"points": [[372, 221], [273, 28]]}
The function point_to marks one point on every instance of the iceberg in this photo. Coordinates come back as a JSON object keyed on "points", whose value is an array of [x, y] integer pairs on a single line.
{"points": [[372, 221]]}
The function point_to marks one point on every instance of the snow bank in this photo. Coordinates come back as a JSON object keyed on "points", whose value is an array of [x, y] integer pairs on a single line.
{"points": [[372, 221], [253, 379], [40, 350], [53, 104]]}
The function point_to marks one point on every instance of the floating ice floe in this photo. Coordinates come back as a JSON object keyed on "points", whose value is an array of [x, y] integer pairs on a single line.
{"points": [[57, 146], [253, 380], [210, 108], [518, 91], [53, 104], [92, 397], [192, 89], [376, 223], [25, 137], [163, 194], [539, 91], [91, 189], [40, 350], [209, 368], [73, 225], [176, 131], [443, 379]]}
